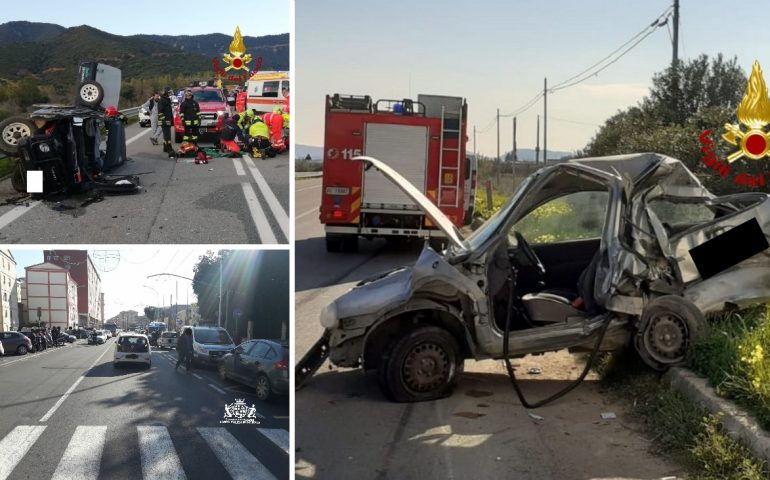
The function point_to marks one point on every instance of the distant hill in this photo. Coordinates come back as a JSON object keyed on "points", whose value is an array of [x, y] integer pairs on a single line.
{"points": [[274, 49], [28, 32], [37, 49]]}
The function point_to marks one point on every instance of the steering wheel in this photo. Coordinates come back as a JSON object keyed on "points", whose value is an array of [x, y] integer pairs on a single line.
{"points": [[532, 257]]}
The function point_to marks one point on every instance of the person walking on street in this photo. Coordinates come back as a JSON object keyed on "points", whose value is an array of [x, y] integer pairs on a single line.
{"points": [[151, 106], [184, 350], [189, 112], [166, 120]]}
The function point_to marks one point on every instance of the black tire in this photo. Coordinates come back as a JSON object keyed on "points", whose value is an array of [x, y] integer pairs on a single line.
{"points": [[667, 329], [12, 130], [19, 178], [22, 350], [263, 389], [333, 244], [402, 380], [222, 371], [177, 137], [90, 93]]}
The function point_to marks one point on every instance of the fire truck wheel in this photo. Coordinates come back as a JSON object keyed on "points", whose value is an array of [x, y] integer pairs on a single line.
{"points": [[19, 179], [90, 93], [333, 244], [12, 130]]}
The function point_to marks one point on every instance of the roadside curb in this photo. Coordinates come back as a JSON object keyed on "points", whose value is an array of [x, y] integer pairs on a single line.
{"points": [[736, 421]]}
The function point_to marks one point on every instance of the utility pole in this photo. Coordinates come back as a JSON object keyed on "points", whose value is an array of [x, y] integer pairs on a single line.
{"points": [[545, 121], [675, 51], [513, 153], [497, 160], [474, 143], [537, 141]]}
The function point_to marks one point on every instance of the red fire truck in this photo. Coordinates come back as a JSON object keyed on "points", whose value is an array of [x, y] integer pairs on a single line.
{"points": [[424, 140]]}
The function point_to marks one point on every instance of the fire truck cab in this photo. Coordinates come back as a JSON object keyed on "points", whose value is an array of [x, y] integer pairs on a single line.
{"points": [[424, 140]]}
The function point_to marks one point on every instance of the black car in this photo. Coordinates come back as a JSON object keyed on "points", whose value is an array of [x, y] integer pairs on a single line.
{"points": [[15, 342]]}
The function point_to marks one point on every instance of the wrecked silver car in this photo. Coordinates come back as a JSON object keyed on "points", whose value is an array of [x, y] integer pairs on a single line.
{"points": [[592, 254]]}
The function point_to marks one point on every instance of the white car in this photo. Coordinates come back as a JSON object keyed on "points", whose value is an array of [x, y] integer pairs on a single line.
{"points": [[144, 117], [132, 348], [167, 340]]}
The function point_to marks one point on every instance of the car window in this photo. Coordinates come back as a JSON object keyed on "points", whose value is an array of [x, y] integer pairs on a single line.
{"points": [[678, 216], [270, 354], [133, 344], [212, 336], [575, 216], [260, 350], [208, 96], [245, 347], [270, 89]]}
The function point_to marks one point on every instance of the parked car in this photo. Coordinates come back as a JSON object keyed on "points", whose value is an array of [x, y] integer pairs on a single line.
{"points": [[261, 364], [132, 348], [210, 344], [97, 337], [167, 340], [15, 342], [144, 117], [590, 254]]}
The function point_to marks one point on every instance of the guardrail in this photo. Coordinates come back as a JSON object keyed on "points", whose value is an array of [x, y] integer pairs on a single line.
{"points": [[128, 112]]}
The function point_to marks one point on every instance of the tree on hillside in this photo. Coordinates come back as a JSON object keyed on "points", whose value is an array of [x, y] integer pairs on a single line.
{"points": [[710, 91]]}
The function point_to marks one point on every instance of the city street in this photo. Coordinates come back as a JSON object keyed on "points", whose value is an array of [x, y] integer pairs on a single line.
{"points": [[481, 431], [227, 201], [68, 413]]}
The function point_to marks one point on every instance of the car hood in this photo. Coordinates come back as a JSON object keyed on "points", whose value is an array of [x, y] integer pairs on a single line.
{"points": [[429, 208]]}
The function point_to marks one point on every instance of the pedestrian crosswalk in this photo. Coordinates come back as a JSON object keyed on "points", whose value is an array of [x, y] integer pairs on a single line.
{"points": [[82, 456]]}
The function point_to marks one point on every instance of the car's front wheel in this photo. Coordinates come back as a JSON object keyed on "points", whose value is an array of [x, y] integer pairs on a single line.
{"points": [[667, 329], [263, 388], [423, 364], [22, 350]]}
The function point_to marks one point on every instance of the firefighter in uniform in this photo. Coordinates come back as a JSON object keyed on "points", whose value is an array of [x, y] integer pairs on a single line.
{"points": [[166, 119], [189, 111]]}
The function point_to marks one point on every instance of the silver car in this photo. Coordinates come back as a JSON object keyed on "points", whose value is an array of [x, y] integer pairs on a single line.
{"points": [[590, 254]]}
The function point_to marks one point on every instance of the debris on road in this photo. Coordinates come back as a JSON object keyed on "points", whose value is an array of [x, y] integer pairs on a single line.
{"points": [[535, 416], [534, 371], [478, 393], [471, 415], [608, 415]]}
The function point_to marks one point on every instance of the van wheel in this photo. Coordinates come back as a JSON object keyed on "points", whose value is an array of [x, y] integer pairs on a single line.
{"points": [[263, 388], [12, 130], [423, 364], [90, 93], [667, 329]]}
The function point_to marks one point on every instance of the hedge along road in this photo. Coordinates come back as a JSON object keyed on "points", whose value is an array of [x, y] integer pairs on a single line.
{"points": [[479, 432], [233, 201]]}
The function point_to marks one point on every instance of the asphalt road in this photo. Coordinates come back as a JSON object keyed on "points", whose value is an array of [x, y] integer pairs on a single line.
{"points": [[228, 201], [67, 413], [347, 429]]}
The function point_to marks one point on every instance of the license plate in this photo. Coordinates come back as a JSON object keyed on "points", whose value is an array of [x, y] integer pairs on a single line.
{"points": [[208, 123], [337, 191], [132, 356]]}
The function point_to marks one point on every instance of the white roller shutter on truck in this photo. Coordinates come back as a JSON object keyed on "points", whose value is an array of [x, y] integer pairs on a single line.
{"points": [[405, 149]]}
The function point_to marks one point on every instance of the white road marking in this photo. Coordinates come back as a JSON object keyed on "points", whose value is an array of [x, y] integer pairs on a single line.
{"points": [[15, 445], [258, 215], [275, 206], [278, 436], [15, 213], [217, 389], [305, 214], [197, 376], [308, 188], [71, 389], [239, 167], [159, 458], [239, 463], [83, 455], [136, 137]]}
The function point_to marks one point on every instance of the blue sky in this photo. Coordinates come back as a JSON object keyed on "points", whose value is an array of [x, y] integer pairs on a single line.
{"points": [[168, 17], [125, 285], [496, 53]]}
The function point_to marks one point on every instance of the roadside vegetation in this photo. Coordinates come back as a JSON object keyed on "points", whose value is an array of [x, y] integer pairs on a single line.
{"points": [[735, 357], [680, 429]]}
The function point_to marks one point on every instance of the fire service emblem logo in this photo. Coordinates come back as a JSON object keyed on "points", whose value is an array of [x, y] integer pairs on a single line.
{"points": [[236, 59], [749, 136], [239, 413]]}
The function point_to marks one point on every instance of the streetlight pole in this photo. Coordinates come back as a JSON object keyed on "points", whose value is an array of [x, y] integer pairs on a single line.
{"points": [[219, 314]]}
